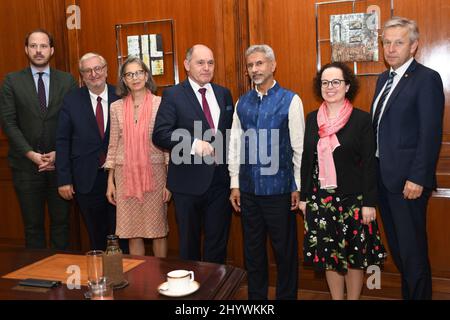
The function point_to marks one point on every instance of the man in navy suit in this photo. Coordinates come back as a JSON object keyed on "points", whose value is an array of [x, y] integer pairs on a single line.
{"points": [[407, 115], [82, 143], [196, 113]]}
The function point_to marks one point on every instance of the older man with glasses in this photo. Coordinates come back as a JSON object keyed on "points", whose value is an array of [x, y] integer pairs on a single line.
{"points": [[82, 143]]}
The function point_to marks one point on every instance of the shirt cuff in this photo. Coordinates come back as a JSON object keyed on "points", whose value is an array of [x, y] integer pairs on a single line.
{"points": [[234, 183], [193, 147]]}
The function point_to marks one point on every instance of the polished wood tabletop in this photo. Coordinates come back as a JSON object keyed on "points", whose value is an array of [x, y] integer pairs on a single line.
{"points": [[217, 282]]}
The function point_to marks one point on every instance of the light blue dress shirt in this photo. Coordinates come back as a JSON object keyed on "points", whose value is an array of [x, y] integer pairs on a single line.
{"points": [[45, 78]]}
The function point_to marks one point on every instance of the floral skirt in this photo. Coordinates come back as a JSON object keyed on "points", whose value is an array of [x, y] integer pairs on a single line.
{"points": [[335, 237]]}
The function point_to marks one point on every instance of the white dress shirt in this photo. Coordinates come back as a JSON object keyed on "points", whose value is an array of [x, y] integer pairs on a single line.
{"points": [[212, 103], [296, 123], [210, 97]]}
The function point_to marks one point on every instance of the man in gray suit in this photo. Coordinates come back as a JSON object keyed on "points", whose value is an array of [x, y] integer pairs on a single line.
{"points": [[29, 105]]}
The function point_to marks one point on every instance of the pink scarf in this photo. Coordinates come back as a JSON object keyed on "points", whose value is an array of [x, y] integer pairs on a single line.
{"points": [[328, 142], [138, 171]]}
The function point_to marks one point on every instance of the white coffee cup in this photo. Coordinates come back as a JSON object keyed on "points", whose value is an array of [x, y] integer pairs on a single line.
{"points": [[180, 280]]}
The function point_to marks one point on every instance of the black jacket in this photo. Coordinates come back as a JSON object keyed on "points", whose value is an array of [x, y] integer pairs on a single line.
{"points": [[354, 159]]}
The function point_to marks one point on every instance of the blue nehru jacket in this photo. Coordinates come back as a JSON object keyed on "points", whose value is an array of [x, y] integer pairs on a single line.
{"points": [[259, 117]]}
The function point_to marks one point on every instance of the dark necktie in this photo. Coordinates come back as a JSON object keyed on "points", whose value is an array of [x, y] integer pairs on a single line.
{"points": [[206, 109], [41, 93], [377, 114], [101, 127]]}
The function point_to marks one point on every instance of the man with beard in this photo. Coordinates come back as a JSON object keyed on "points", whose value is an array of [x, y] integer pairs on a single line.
{"points": [[30, 103], [268, 122]]}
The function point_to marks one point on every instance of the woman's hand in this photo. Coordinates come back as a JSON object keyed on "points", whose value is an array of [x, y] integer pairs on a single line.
{"points": [[167, 195], [111, 193], [369, 214], [302, 207]]}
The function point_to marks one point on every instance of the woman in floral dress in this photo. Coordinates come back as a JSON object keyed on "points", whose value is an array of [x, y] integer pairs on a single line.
{"points": [[339, 186]]}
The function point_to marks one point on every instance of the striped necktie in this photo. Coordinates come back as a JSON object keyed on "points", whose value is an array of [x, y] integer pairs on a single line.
{"points": [[377, 114]]}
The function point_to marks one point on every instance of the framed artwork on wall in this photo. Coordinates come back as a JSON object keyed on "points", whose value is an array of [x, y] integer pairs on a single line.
{"points": [[349, 31], [154, 42]]}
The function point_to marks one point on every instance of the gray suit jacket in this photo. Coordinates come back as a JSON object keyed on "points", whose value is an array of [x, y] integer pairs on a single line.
{"points": [[26, 127]]}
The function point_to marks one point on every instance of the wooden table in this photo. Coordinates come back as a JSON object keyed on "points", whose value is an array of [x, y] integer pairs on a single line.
{"points": [[217, 282]]}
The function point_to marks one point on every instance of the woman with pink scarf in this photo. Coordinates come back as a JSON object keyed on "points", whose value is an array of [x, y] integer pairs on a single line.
{"points": [[137, 169], [339, 186]]}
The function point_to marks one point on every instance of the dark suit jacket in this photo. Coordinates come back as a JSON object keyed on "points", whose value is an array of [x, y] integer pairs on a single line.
{"points": [[26, 127], [179, 109], [410, 130], [78, 141], [354, 159]]}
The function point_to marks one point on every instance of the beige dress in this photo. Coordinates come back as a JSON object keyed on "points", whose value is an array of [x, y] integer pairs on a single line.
{"points": [[135, 219]]}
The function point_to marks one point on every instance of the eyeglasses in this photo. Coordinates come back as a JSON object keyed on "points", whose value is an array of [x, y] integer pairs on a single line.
{"points": [[97, 70], [138, 75], [335, 83]]}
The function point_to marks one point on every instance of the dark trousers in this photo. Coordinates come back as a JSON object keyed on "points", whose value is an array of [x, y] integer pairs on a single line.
{"points": [[34, 191], [98, 214], [212, 213], [262, 216], [404, 222]]}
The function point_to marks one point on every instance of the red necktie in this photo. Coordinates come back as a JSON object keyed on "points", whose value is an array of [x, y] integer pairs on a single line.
{"points": [[101, 126], [99, 116], [206, 109]]}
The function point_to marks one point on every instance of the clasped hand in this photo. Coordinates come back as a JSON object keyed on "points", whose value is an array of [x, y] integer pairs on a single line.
{"points": [[44, 161]]}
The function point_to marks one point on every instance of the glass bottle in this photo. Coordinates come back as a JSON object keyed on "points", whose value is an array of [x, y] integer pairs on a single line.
{"points": [[113, 262]]}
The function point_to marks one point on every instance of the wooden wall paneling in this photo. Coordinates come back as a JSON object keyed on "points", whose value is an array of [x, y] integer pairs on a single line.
{"points": [[73, 48], [233, 37]]}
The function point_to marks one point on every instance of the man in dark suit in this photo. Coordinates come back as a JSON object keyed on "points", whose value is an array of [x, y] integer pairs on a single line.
{"points": [[82, 143], [407, 118], [196, 114], [30, 103]]}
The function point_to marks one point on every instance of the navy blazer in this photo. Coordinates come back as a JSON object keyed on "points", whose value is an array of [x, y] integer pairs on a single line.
{"points": [[180, 109], [78, 140], [410, 129]]}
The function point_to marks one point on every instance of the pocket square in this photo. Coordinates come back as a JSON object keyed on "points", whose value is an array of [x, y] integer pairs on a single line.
{"points": [[229, 108]]}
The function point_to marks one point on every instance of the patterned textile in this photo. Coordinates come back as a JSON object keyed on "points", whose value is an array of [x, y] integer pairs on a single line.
{"points": [[335, 237]]}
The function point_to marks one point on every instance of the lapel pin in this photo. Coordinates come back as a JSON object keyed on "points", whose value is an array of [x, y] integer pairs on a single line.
{"points": [[406, 75]]}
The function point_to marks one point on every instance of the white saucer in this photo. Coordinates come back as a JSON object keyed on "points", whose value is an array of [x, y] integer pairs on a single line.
{"points": [[163, 289]]}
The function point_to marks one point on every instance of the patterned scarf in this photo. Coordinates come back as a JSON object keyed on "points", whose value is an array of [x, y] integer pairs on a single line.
{"points": [[328, 142]]}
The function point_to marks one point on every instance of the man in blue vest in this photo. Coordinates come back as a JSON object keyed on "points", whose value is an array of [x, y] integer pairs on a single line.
{"points": [[264, 162]]}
